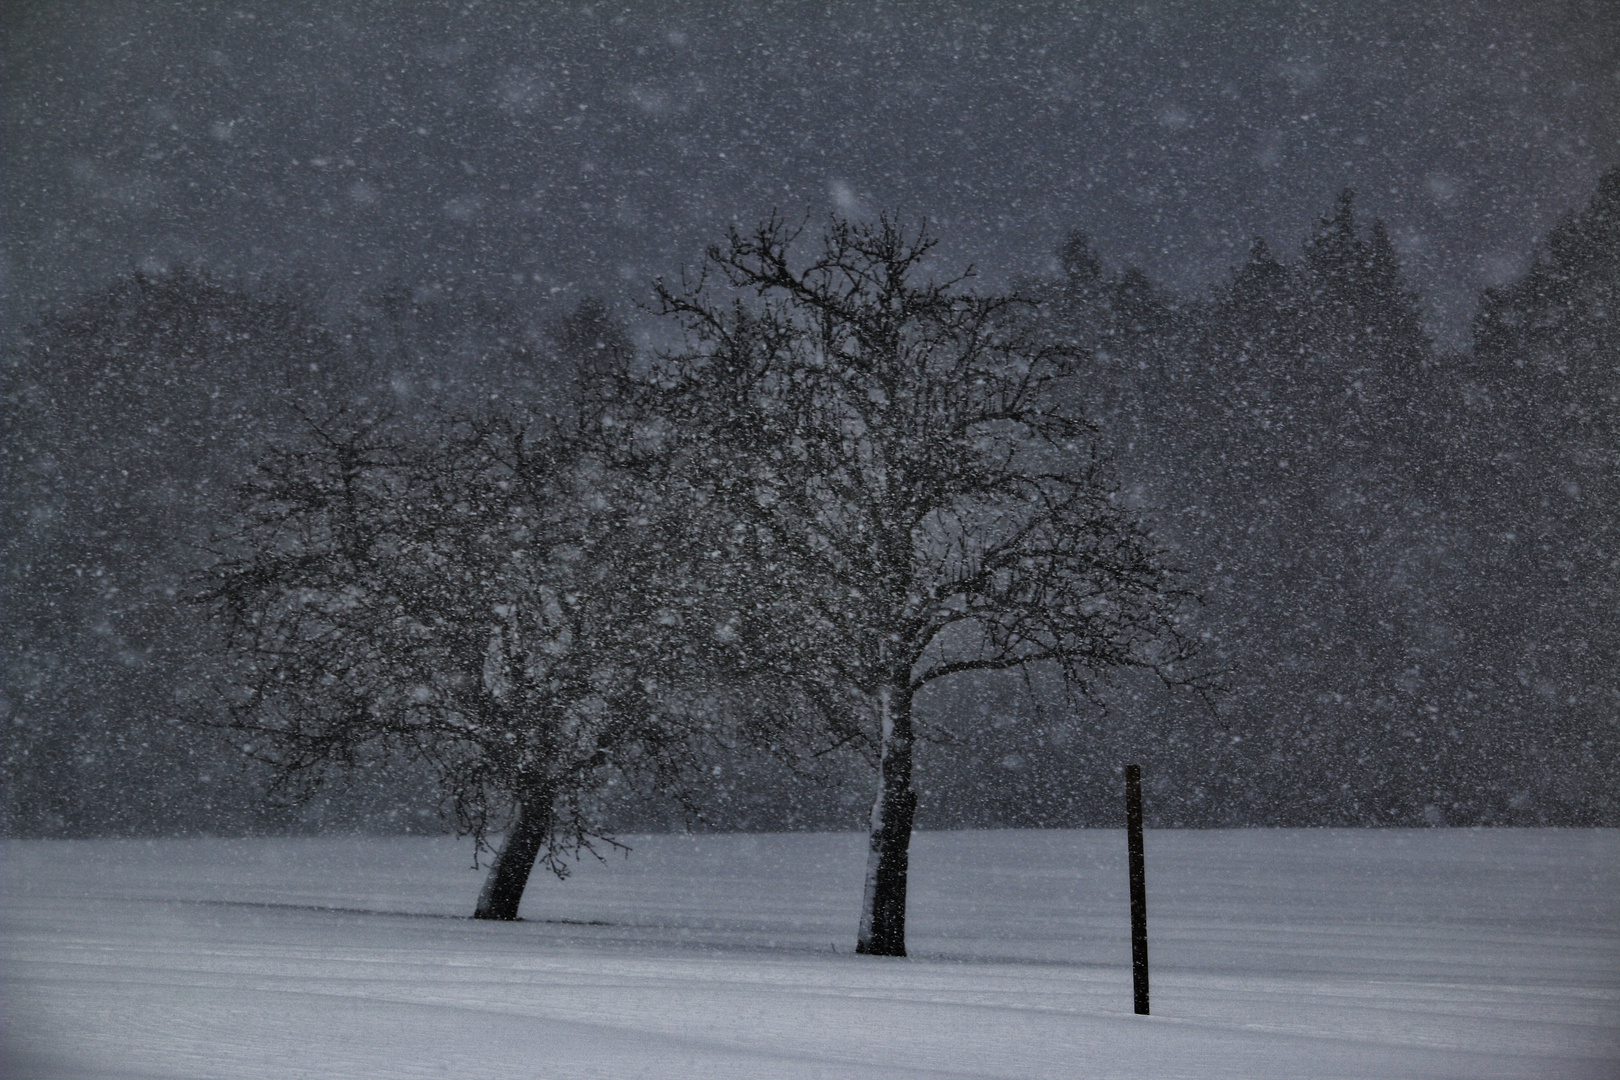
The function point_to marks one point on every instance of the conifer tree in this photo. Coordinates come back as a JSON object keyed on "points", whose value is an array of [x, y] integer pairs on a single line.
{"points": [[127, 413]]}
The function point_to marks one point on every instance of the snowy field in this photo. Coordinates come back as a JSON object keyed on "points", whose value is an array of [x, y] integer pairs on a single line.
{"points": [[1299, 954]]}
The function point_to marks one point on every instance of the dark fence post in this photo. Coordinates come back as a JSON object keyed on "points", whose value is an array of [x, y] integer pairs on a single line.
{"points": [[1133, 831]]}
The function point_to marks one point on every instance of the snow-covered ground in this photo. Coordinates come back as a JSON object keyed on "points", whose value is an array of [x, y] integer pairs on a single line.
{"points": [[1300, 954]]}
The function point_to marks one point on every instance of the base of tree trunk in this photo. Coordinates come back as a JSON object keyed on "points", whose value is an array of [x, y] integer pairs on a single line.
{"points": [[883, 929], [509, 873]]}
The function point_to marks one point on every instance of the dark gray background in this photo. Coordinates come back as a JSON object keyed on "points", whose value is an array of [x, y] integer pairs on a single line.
{"points": [[540, 153], [551, 150]]}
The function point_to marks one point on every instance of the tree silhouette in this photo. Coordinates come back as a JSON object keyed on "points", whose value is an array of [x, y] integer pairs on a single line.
{"points": [[896, 488], [483, 606]]}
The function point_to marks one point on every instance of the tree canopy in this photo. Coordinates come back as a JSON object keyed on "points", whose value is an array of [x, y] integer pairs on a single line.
{"points": [[899, 487]]}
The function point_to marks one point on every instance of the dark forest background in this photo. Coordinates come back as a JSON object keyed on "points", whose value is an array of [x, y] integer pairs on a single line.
{"points": [[1409, 557]]}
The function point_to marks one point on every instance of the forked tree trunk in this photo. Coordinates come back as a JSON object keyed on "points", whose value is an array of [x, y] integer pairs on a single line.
{"points": [[883, 908], [509, 872]]}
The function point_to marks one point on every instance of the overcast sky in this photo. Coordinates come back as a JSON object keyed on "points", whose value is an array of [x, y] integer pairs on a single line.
{"points": [[558, 149]]}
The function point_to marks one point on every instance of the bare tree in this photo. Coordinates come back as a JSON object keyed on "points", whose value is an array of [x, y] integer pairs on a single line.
{"points": [[484, 606], [894, 488]]}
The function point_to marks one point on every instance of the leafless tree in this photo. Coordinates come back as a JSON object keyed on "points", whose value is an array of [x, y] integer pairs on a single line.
{"points": [[487, 606], [894, 487]]}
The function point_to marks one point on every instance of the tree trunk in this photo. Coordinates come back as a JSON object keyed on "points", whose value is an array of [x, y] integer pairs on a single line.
{"points": [[509, 873], [883, 908]]}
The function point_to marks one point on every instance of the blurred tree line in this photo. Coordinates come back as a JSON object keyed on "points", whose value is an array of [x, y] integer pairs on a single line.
{"points": [[1408, 558]]}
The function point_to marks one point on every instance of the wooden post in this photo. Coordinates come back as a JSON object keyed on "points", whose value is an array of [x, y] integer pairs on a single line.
{"points": [[1133, 831]]}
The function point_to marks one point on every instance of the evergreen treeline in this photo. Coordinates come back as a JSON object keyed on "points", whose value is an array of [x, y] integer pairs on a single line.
{"points": [[1409, 559]]}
